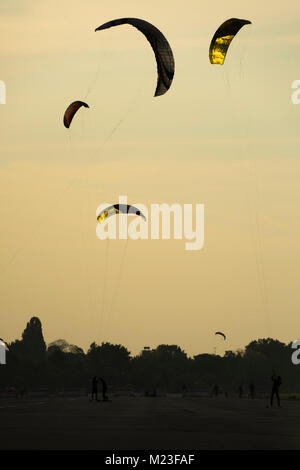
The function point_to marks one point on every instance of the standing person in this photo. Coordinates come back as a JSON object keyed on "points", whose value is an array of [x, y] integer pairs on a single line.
{"points": [[94, 388], [252, 390], [241, 391], [104, 389], [275, 389], [215, 390]]}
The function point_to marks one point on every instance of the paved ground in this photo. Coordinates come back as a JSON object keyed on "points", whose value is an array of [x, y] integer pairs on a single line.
{"points": [[131, 423]]}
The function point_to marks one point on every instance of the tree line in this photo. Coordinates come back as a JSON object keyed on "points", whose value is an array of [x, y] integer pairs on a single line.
{"points": [[31, 364]]}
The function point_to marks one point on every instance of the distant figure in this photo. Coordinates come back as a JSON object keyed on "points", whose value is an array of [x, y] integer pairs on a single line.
{"points": [[275, 388], [215, 390], [241, 391], [104, 389], [252, 390], [94, 388], [20, 392]]}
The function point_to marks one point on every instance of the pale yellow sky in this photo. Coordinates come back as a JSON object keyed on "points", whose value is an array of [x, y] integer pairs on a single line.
{"points": [[227, 137]]}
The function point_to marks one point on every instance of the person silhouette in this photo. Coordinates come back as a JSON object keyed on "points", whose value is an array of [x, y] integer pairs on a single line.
{"points": [[94, 388], [104, 389], [252, 390], [275, 389]]}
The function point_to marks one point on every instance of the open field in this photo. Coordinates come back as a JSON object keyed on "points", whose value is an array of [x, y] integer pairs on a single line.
{"points": [[129, 423]]}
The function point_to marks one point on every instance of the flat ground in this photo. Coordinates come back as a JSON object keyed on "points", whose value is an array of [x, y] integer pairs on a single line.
{"points": [[129, 423]]}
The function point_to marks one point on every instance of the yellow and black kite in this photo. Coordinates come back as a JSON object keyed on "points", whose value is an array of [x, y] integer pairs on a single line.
{"points": [[117, 209], [222, 39]]}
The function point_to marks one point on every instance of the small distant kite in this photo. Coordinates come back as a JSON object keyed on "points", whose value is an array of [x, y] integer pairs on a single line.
{"points": [[220, 333], [161, 48], [119, 209], [222, 39], [72, 110]]}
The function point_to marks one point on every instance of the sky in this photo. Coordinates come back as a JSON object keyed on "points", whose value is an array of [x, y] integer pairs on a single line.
{"points": [[223, 136]]}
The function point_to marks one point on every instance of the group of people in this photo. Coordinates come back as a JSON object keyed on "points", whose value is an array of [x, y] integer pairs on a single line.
{"points": [[95, 381], [276, 382]]}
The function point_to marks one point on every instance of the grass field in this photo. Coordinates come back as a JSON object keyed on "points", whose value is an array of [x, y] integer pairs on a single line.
{"points": [[133, 423]]}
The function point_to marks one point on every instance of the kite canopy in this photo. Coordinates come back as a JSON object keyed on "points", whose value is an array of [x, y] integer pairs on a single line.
{"points": [[161, 48], [222, 38], [119, 209], [72, 110], [220, 333]]}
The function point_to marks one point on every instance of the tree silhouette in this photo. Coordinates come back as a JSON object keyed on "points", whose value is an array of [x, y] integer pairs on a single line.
{"points": [[167, 368]]}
